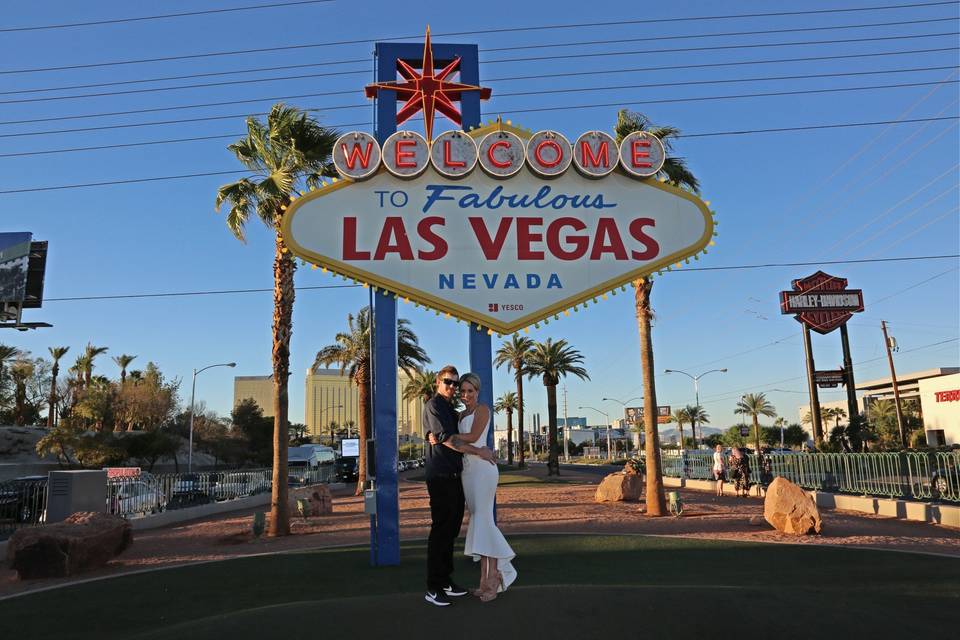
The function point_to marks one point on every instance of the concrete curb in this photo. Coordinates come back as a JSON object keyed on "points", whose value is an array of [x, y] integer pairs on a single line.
{"points": [[946, 515]]}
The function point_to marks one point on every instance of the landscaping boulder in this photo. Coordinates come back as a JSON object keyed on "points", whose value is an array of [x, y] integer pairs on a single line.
{"points": [[618, 487], [85, 540], [311, 501], [790, 509]]}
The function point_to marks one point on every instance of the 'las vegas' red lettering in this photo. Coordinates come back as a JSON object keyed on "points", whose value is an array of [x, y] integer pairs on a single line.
{"points": [[393, 239], [525, 238], [651, 247], [554, 241], [425, 231], [350, 251], [491, 247], [608, 240]]}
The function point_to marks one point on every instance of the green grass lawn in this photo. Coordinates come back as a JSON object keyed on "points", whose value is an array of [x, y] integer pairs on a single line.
{"points": [[569, 587]]}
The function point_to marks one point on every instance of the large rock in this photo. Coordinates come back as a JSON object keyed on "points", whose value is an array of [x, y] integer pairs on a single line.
{"points": [[316, 501], [790, 509], [85, 540], [618, 487]]}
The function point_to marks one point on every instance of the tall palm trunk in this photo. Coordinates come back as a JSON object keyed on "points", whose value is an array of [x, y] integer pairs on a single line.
{"points": [[51, 411], [283, 296], [656, 501], [509, 437], [553, 458], [756, 433], [522, 450], [363, 396], [680, 427], [20, 400]]}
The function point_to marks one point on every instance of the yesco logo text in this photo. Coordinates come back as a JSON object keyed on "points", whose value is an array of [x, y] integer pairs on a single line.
{"points": [[501, 154]]}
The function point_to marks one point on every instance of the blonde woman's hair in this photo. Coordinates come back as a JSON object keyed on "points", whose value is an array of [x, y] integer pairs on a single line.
{"points": [[472, 378]]}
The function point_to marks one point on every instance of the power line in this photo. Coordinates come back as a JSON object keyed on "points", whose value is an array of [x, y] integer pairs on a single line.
{"points": [[352, 286], [205, 85], [768, 265], [274, 5], [741, 132], [538, 46], [497, 111], [553, 27], [499, 95]]}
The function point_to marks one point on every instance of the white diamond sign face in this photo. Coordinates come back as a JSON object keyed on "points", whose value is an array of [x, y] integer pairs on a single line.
{"points": [[504, 253]]}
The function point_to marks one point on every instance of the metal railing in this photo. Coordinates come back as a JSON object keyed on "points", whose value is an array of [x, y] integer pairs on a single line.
{"points": [[913, 474], [22, 504]]}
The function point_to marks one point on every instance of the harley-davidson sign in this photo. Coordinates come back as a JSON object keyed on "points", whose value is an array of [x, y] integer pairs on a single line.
{"points": [[518, 240], [821, 301]]}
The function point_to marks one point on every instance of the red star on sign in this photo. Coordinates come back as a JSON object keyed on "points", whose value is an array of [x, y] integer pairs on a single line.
{"points": [[428, 91]]}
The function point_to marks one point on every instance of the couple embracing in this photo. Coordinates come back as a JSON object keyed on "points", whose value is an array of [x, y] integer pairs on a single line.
{"points": [[462, 472]]}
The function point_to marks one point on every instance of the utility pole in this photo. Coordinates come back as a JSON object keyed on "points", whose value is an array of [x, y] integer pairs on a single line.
{"points": [[896, 389], [566, 427]]}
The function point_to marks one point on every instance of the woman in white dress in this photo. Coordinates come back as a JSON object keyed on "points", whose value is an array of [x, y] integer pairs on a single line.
{"points": [[485, 543]]}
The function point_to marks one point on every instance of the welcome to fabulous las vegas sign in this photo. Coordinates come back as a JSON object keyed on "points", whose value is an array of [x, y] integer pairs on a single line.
{"points": [[498, 225]]}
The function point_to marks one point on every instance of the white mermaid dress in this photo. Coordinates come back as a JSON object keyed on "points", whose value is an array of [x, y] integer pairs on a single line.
{"points": [[480, 489]]}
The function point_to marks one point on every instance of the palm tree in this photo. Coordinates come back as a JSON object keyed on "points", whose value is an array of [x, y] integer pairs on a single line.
{"points": [[674, 169], [698, 417], [56, 353], [838, 433], [288, 151], [755, 405], [90, 354], [514, 355], [7, 354], [351, 352], [680, 416], [554, 360], [421, 386], [20, 371], [508, 402], [123, 361]]}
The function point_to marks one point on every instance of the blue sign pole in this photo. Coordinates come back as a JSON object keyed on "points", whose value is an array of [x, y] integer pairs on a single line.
{"points": [[385, 531]]}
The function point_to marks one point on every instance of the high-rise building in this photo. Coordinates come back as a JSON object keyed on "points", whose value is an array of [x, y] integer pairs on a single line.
{"points": [[260, 388], [332, 397]]}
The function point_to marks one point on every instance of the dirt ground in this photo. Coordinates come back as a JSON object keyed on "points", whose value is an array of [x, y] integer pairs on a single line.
{"points": [[521, 508]]}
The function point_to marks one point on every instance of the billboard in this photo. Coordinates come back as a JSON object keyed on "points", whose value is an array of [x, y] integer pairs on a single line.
{"points": [[14, 262], [822, 302], [502, 227], [634, 415], [350, 448]]}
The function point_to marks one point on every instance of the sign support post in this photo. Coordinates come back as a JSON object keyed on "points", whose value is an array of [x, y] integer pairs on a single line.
{"points": [[852, 408], [814, 393]]}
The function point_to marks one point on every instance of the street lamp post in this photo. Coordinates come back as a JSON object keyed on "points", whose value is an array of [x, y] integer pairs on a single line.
{"points": [[696, 391], [607, 416], [624, 403], [193, 392]]}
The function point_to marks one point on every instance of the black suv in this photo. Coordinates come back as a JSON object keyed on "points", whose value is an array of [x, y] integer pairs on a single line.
{"points": [[346, 469], [23, 499]]}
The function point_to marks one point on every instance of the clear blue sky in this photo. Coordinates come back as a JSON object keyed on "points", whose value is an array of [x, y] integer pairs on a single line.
{"points": [[843, 193]]}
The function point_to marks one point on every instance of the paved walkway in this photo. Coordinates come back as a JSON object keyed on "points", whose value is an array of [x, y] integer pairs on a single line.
{"points": [[534, 507]]}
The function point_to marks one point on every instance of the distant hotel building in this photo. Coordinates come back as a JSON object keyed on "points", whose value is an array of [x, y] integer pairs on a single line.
{"points": [[331, 397]]}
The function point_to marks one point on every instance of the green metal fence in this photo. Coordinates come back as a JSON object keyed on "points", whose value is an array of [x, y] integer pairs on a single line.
{"points": [[916, 475]]}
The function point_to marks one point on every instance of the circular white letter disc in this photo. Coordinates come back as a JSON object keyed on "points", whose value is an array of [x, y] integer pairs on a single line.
{"points": [[356, 155], [501, 154], [453, 154], [642, 154], [406, 154], [549, 153], [595, 154]]}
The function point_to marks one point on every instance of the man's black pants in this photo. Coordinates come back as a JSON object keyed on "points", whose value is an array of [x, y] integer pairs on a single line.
{"points": [[446, 518]]}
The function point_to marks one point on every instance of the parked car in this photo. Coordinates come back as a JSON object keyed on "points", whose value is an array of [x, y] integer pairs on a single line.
{"points": [[136, 498], [234, 485], [346, 470], [23, 500], [190, 490]]}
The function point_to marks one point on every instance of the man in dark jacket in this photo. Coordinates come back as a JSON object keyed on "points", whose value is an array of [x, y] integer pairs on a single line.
{"points": [[443, 468]]}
